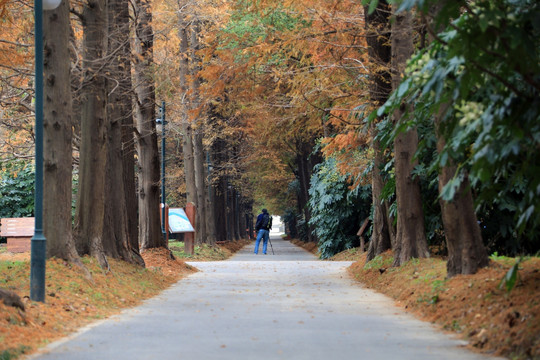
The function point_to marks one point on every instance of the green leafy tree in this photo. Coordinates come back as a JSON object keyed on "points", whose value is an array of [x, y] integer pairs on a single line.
{"points": [[17, 190], [481, 77], [337, 211]]}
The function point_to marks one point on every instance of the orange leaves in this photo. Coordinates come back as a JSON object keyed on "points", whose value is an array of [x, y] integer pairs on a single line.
{"points": [[350, 151]]}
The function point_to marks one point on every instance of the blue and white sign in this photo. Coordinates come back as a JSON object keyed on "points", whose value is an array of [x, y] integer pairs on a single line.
{"points": [[178, 221]]}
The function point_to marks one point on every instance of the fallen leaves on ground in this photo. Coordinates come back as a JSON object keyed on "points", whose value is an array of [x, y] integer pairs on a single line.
{"points": [[473, 306], [492, 320], [72, 301]]}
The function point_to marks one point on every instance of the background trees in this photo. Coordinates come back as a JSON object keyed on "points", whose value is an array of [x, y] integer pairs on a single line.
{"points": [[414, 99]]}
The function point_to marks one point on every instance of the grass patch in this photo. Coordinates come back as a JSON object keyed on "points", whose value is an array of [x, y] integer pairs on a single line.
{"points": [[206, 252], [11, 353]]}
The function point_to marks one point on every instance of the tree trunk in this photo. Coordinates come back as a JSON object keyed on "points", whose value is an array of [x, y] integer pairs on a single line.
{"points": [[57, 125], [305, 168], [93, 151], [219, 194], [198, 147], [125, 111], [116, 234], [381, 234], [379, 53], [187, 144], [210, 210], [466, 251], [150, 234], [200, 176], [411, 240]]}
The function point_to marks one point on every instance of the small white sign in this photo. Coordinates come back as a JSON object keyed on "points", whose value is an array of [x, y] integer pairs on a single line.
{"points": [[178, 221]]}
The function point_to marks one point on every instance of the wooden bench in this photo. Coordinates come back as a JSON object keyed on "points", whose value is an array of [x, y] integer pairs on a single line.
{"points": [[19, 232]]}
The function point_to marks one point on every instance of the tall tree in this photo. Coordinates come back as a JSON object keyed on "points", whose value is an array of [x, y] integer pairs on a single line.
{"points": [[116, 231], [378, 37], [210, 206], [57, 194], [466, 251], [150, 235], [198, 153], [93, 151], [410, 239], [187, 131]]}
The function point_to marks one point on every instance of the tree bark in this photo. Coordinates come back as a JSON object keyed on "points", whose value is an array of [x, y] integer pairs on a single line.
{"points": [[466, 251], [116, 234], [210, 209], [93, 151], [125, 114], [150, 234], [57, 194], [198, 147], [377, 38], [411, 240], [187, 143]]}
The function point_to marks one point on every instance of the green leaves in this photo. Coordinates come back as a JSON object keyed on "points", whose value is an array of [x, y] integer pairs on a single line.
{"points": [[17, 190], [336, 211], [511, 278], [481, 76]]}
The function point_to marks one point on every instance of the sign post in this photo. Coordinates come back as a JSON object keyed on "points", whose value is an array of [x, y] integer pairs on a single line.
{"points": [[180, 222]]}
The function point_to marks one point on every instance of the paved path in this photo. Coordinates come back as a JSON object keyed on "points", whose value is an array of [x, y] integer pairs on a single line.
{"points": [[282, 306]]}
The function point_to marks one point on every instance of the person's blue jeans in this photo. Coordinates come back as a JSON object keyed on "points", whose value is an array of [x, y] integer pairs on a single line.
{"points": [[262, 234]]}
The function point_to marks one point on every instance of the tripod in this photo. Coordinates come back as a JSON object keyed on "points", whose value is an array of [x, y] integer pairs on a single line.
{"points": [[271, 247]]}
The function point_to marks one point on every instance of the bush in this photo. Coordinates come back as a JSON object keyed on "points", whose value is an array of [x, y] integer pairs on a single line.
{"points": [[336, 210], [17, 190]]}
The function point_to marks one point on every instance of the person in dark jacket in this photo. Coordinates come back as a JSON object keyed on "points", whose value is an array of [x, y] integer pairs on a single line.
{"points": [[263, 226]]}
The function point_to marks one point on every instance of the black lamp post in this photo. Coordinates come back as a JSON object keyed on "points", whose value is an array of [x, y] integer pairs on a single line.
{"points": [[161, 121], [38, 247]]}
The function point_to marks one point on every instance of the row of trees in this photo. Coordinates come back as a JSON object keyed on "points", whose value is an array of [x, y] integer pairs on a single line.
{"points": [[421, 115], [420, 102], [101, 82]]}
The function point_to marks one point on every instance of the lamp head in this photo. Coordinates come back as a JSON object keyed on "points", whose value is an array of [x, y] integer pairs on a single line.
{"points": [[50, 4]]}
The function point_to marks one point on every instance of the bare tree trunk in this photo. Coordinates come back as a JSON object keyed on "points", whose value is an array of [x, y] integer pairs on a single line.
{"points": [[411, 240], [125, 114], [379, 53], [200, 175], [57, 152], [466, 251], [381, 236], [150, 234], [93, 152], [187, 144], [220, 204], [116, 241], [210, 211]]}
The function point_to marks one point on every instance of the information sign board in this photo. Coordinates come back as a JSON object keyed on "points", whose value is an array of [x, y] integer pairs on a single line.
{"points": [[178, 221]]}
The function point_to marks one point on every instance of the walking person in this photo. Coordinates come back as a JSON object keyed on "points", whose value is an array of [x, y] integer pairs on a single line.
{"points": [[263, 226]]}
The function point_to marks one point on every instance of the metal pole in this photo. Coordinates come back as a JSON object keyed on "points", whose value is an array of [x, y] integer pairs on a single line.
{"points": [[38, 247], [163, 230]]}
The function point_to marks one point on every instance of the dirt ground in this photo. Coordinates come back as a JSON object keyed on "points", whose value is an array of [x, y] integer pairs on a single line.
{"points": [[492, 320]]}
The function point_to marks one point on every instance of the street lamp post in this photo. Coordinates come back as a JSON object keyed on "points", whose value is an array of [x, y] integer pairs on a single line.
{"points": [[161, 121], [38, 247]]}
